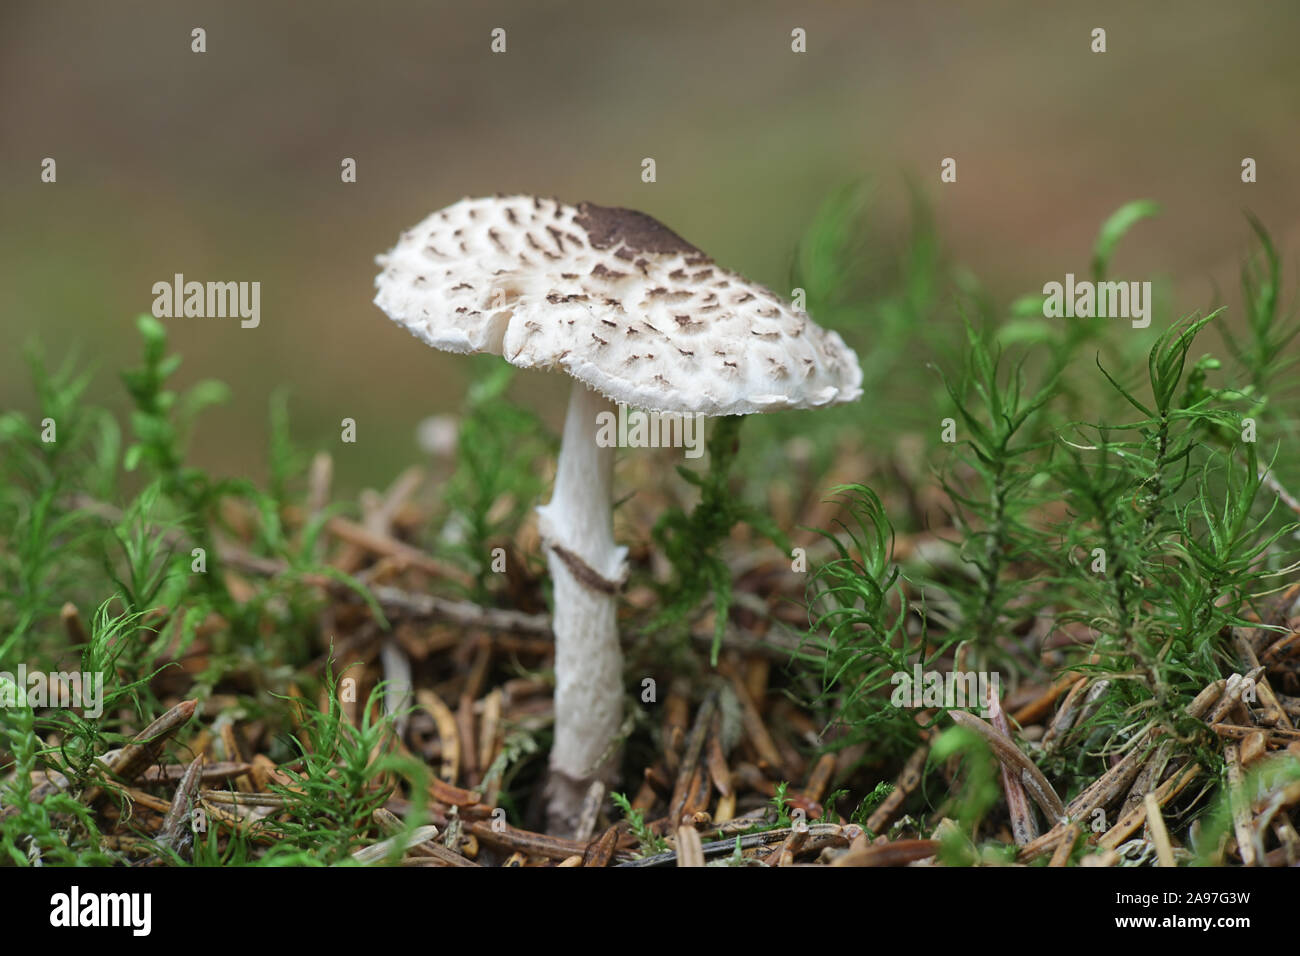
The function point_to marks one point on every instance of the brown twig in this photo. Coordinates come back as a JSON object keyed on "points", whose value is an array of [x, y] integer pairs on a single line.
{"points": [[144, 748], [1010, 756]]}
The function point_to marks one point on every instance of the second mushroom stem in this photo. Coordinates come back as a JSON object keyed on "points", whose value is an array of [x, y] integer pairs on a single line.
{"points": [[586, 569]]}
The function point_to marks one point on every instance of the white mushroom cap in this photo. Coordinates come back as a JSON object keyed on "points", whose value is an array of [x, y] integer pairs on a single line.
{"points": [[615, 299]]}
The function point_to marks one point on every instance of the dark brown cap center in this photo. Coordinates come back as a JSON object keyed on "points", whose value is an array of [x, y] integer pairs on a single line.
{"points": [[610, 226]]}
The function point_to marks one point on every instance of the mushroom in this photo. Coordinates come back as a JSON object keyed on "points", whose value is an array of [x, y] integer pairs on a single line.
{"points": [[635, 315]]}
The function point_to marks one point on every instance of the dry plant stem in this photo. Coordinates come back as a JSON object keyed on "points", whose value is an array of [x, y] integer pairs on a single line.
{"points": [[908, 780], [769, 757], [1274, 713], [898, 853], [784, 854], [600, 852], [398, 683], [144, 749], [431, 851], [73, 625], [1148, 777], [586, 568], [1102, 791], [458, 612], [1065, 716], [468, 748], [820, 778], [176, 824], [691, 760], [241, 799], [1159, 833], [1017, 763], [1275, 486], [524, 841], [379, 851], [716, 758], [1040, 706], [435, 855], [690, 850], [1241, 816], [1061, 856], [319, 479], [489, 729], [347, 530], [1023, 827], [140, 800], [1270, 814], [1130, 822], [820, 835], [455, 796], [1238, 732], [448, 732], [208, 773]]}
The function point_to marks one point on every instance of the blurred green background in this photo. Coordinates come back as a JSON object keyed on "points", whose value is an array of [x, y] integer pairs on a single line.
{"points": [[225, 165]]}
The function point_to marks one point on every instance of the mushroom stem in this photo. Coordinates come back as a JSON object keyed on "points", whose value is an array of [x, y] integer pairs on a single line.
{"points": [[577, 529]]}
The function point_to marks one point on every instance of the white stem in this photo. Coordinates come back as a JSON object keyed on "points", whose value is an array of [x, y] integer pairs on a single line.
{"points": [[588, 661]]}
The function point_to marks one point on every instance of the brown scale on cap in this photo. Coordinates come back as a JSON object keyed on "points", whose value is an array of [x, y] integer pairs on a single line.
{"points": [[610, 226]]}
